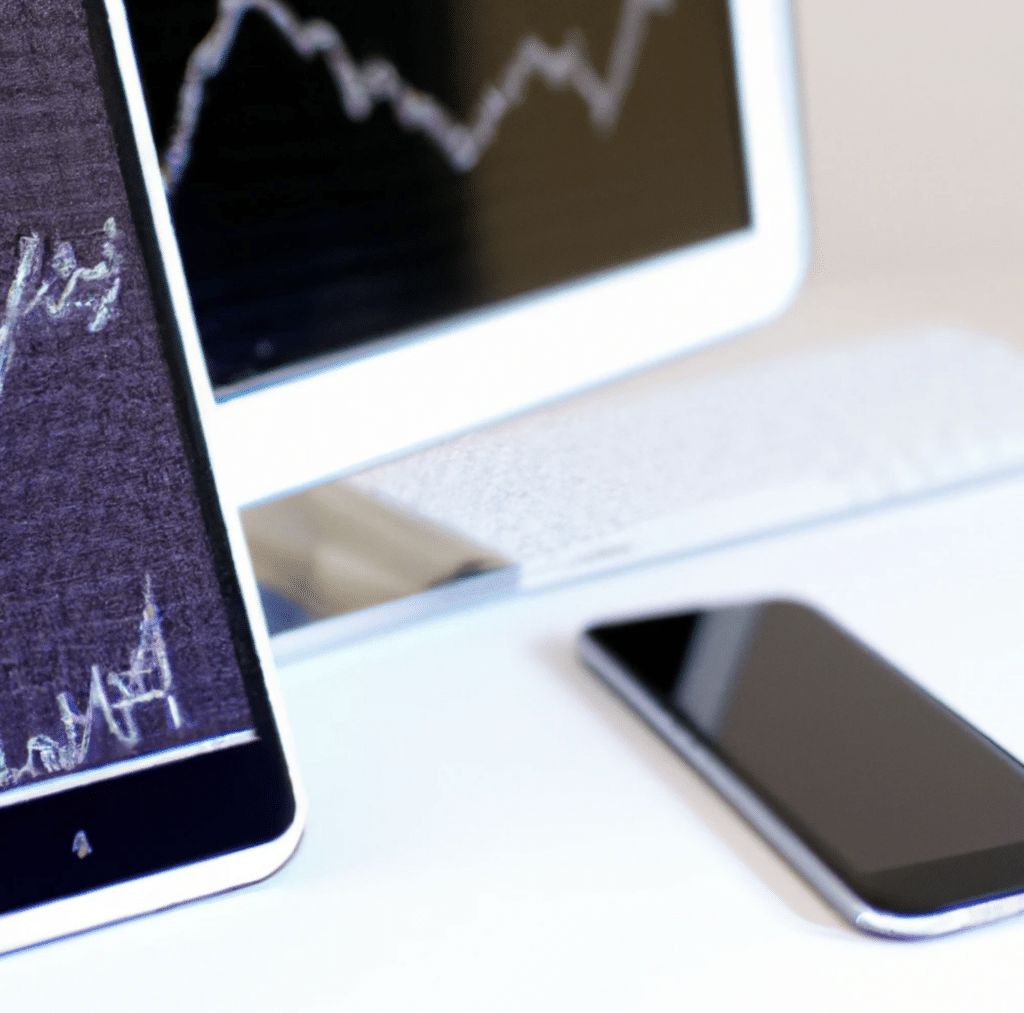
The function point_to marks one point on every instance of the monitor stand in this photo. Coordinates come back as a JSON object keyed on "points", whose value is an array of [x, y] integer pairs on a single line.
{"points": [[334, 564]]}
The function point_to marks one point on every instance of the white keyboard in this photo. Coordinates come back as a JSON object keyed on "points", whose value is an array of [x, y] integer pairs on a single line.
{"points": [[578, 488]]}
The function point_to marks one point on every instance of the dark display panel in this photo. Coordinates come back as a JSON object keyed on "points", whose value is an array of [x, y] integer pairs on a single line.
{"points": [[340, 173], [116, 609]]}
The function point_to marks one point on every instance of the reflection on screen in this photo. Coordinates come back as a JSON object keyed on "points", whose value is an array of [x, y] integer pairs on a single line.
{"points": [[340, 173], [858, 756]]}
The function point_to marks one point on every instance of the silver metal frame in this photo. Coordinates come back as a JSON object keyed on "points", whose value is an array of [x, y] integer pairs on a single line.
{"points": [[839, 895]]}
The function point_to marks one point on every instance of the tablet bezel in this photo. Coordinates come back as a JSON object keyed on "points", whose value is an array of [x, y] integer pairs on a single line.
{"points": [[446, 379]]}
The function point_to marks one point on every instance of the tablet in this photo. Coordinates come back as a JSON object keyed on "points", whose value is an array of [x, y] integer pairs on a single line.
{"points": [[142, 759]]}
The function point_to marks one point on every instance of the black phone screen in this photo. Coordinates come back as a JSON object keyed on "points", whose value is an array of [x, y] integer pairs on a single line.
{"points": [[913, 807], [131, 698]]}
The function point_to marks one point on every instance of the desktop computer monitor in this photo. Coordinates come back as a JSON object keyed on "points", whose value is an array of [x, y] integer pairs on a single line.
{"points": [[403, 220]]}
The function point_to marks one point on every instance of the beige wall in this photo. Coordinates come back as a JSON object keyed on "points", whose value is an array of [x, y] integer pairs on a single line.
{"points": [[914, 117], [913, 114]]}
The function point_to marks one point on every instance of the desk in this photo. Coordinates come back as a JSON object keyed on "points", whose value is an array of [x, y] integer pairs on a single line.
{"points": [[490, 830]]}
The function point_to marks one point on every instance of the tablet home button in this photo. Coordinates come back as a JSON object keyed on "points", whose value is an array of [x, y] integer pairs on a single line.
{"points": [[80, 845]]}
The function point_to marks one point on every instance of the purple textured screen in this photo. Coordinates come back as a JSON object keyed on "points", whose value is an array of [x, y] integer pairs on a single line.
{"points": [[114, 640]]}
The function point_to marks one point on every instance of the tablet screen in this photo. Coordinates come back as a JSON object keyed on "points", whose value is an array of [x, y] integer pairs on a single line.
{"points": [[116, 646], [341, 174]]}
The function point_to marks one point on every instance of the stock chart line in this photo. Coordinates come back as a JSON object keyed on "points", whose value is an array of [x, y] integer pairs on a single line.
{"points": [[110, 707], [364, 85], [68, 290]]}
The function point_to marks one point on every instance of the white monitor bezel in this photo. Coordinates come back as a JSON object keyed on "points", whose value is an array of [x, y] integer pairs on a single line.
{"points": [[446, 379]]}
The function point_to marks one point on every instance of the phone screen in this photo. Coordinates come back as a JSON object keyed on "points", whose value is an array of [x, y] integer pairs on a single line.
{"points": [[915, 808], [131, 699]]}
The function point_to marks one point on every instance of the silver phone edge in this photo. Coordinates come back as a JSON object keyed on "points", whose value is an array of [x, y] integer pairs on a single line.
{"points": [[853, 908]]}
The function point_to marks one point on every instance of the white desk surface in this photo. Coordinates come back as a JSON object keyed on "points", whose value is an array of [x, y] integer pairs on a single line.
{"points": [[490, 830]]}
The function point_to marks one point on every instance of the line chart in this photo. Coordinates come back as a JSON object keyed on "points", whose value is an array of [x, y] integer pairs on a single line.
{"points": [[67, 291], [362, 86], [28, 252], [148, 681]]}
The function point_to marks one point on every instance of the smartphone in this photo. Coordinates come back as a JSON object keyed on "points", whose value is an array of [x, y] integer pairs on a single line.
{"points": [[142, 757], [907, 820]]}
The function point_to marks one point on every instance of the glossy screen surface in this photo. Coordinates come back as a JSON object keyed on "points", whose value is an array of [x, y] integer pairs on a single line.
{"points": [[342, 173], [116, 640], [880, 779]]}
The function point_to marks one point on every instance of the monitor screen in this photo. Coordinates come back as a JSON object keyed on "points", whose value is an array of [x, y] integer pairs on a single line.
{"points": [[342, 175]]}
